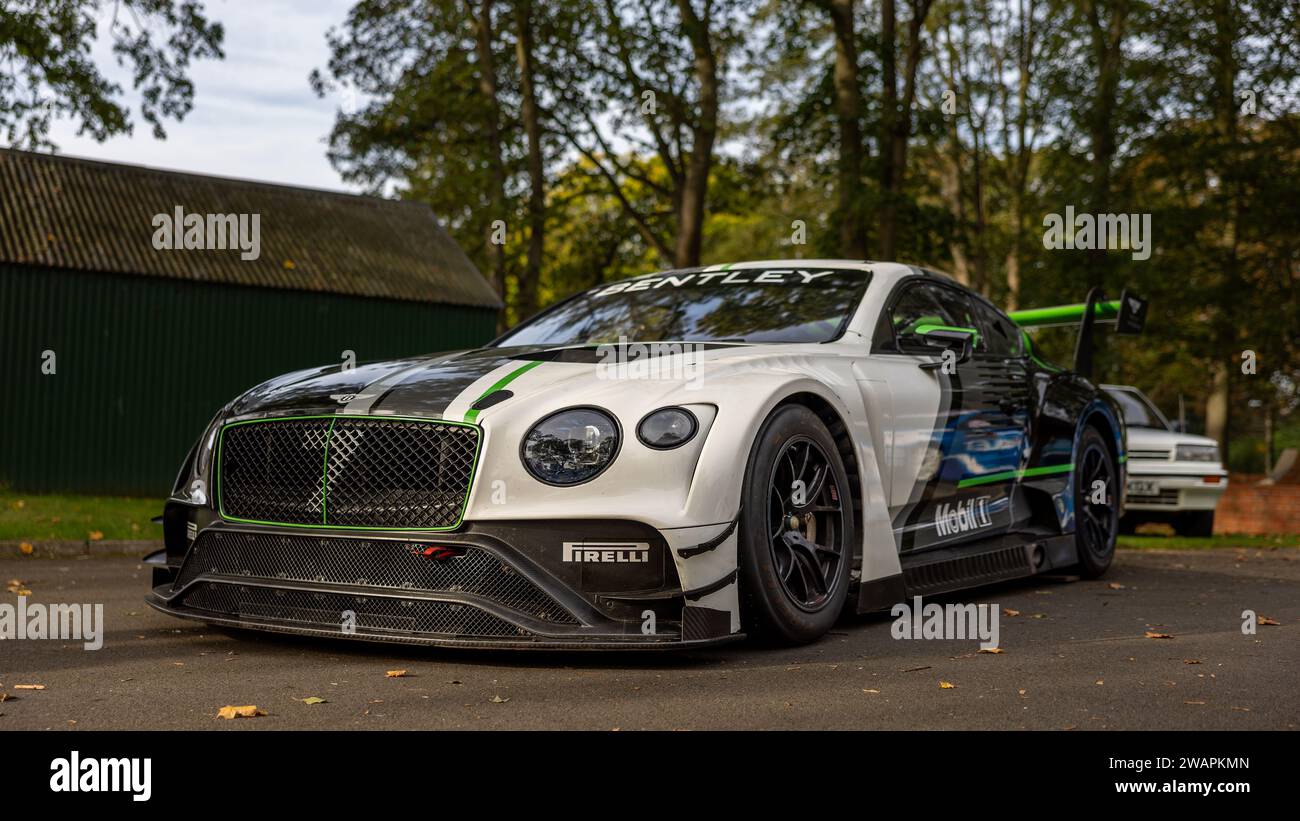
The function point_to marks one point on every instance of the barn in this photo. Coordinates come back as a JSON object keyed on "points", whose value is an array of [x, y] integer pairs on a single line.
{"points": [[135, 302]]}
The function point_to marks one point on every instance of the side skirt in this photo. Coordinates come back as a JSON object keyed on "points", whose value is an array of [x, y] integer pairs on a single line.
{"points": [[943, 570]]}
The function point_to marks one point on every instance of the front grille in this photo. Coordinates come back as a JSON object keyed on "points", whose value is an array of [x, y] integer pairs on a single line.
{"points": [[335, 611], [384, 564], [350, 472], [1162, 455]]}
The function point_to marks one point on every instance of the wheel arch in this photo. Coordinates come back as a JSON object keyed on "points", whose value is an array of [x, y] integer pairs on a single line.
{"points": [[839, 431]]}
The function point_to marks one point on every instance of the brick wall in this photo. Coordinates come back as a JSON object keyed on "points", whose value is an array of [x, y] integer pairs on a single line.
{"points": [[1251, 508]]}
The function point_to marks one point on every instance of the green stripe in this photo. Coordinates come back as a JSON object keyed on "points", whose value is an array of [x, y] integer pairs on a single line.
{"points": [[1014, 474], [325, 472], [472, 413]]}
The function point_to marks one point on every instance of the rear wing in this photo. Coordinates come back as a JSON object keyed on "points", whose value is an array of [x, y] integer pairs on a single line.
{"points": [[1128, 314]]}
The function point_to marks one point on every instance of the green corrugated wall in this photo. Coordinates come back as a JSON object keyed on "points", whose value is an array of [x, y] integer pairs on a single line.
{"points": [[144, 362]]}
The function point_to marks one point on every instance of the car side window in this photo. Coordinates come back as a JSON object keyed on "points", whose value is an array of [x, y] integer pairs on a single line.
{"points": [[917, 307], [1002, 334]]}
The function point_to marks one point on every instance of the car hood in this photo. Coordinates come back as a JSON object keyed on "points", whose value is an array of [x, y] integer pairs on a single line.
{"points": [[1151, 439], [425, 386]]}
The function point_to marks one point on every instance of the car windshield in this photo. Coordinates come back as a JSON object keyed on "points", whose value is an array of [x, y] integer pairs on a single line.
{"points": [[746, 305], [1138, 410]]}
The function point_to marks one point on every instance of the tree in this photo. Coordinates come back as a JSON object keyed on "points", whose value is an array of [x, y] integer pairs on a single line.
{"points": [[654, 70], [848, 114], [48, 72], [896, 122]]}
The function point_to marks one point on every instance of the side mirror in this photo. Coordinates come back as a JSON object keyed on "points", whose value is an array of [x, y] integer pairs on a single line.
{"points": [[1178, 426], [949, 338]]}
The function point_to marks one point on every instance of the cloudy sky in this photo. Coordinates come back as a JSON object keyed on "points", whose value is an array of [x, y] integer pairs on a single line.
{"points": [[254, 114]]}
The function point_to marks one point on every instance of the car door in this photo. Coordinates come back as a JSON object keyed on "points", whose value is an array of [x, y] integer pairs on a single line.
{"points": [[949, 424]]}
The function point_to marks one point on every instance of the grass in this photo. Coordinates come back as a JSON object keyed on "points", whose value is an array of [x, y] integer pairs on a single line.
{"points": [[39, 517], [1211, 543]]}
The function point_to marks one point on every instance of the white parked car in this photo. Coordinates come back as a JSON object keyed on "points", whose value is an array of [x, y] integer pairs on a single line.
{"points": [[1173, 477]]}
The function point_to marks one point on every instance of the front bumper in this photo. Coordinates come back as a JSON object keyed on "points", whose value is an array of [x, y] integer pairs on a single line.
{"points": [[1174, 486], [489, 585]]}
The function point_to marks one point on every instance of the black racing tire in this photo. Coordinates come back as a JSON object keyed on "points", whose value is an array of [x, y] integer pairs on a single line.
{"points": [[795, 548], [1197, 523], [1096, 524]]}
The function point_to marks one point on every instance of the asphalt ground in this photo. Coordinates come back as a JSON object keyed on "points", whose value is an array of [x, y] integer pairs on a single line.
{"points": [[1077, 655]]}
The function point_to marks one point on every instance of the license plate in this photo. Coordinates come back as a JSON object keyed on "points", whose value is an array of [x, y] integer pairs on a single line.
{"points": [[1143, 487]]}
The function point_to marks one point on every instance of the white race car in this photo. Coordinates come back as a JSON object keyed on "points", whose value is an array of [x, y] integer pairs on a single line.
{"points": [[1173, 477], [673, 460]]}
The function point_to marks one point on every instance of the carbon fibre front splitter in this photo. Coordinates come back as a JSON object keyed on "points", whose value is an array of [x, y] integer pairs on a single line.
{"points": [[273, 620]]}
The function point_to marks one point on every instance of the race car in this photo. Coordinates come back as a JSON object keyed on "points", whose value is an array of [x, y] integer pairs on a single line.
{"points": [[675, 460]]}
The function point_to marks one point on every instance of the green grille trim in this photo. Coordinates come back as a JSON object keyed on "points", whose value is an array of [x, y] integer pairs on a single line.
{"points": [[334, 417], [1014, 474]]}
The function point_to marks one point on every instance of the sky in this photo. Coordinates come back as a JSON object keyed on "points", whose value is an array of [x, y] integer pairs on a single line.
{"points": [[254, 115]]}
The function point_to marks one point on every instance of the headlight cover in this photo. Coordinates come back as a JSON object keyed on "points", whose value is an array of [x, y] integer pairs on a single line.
{"points": [[571, 446], [1197, 453], [667, 428]]}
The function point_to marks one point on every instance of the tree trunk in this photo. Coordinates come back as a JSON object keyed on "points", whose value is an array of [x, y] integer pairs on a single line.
{"points": [[527, 295], [1225, 109], [487, 85], [889, 113], [848, 112], [896, 122], [695, 188]]}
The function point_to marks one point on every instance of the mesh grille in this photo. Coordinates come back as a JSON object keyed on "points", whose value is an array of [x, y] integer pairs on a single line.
{"points": [[376, 563], [347, 472], [301, 608]]}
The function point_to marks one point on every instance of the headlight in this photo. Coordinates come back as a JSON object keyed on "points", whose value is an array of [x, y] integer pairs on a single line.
{"points": [[571, 446], [667, 428], [1197, 453]]}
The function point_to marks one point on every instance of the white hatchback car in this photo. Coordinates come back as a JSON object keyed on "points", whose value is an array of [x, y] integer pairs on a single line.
{"points": [[1173, 477]]}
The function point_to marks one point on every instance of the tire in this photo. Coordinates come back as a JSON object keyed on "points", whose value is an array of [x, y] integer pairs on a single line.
{"points": [[1198, 523], [794, 559], [1096, 524]]}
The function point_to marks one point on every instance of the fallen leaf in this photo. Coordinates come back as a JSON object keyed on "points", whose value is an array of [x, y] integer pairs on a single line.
{"points": [[944, 685], [871, 691], [1009, 613], [1021, 692], [25, 548], [1116, 586], [29, 686], [498, 700], [1193, 702], [1039, 616], [1153, 635], [313, 700], [992, 650], [249, 711], [95, 535], [1267, 620], [396, 673], [1191, 661], [1101, 682], [7, 697]]}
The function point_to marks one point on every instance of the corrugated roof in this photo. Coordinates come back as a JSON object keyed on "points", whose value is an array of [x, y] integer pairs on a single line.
{"points": [[94, 216]]}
